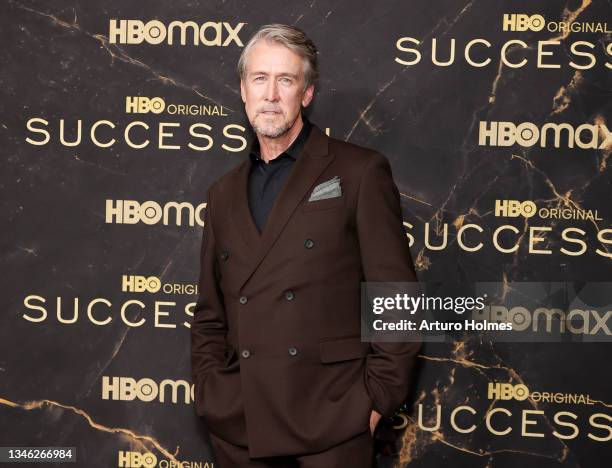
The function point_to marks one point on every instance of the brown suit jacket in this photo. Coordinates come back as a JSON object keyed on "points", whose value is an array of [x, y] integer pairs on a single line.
{"points": [[277, 360]]}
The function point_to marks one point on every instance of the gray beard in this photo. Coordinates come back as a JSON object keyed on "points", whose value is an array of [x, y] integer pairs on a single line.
{"points": [[273, 133]]}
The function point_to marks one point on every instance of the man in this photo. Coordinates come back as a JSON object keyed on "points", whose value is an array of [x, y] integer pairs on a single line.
{"points": [[281, 375]]}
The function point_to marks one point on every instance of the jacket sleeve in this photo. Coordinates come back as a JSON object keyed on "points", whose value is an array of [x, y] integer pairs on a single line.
{"points": [[209, 325], [385, 257]]}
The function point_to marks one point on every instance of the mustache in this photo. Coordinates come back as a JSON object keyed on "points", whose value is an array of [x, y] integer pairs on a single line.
{"points": [[270, 109]]}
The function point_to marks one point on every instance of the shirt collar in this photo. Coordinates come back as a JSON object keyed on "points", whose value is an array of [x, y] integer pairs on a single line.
{"points": [[294, 150]]}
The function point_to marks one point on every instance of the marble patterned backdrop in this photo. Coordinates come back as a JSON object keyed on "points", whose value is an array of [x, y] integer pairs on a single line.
{"points": [[68, 379]]}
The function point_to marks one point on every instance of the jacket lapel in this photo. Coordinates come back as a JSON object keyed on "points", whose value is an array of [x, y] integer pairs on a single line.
{"points": [[241, 211], [308, 167]]}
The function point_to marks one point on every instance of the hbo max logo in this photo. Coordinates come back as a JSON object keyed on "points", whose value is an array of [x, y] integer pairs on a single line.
{"points": [[211, 33], [146, 390], [151, 212], [521, 22]]}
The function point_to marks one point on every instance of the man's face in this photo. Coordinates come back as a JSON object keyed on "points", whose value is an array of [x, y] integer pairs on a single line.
{"points": [[273, 88]]}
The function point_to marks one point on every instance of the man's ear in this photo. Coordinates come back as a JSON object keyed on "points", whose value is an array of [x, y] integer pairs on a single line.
{"points": [[242, 93], [308, 94]]}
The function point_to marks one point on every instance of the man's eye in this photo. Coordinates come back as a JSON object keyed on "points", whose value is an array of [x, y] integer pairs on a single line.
{"points": [[259, 78], [286, 80]]}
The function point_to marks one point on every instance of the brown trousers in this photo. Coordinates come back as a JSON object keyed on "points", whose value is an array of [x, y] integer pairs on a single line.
{"points": [[357, 452]]}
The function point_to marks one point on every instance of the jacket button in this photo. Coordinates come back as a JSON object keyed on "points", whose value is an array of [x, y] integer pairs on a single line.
{"points": [[293, 351], [245, 353], [289, 295], [309, 243], [243, 299], [224, 255]]}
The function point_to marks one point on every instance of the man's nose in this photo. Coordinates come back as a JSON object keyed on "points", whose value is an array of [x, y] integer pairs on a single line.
{"points": [[272, 91]]}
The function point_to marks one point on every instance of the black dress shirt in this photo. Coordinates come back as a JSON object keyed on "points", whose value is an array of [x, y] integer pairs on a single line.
{"points": [[267, 180]]}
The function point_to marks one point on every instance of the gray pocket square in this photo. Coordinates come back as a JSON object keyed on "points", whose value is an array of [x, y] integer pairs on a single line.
{"points": [[328, 189]]}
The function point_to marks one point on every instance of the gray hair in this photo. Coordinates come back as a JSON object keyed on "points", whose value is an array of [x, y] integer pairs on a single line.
{"points": [[290, 37]]}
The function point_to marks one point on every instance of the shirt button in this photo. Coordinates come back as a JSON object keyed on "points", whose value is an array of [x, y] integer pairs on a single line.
{"points": [[246, 353], [289, 295], [309, 243], [243, 299], [224, 255], [293, 351]]}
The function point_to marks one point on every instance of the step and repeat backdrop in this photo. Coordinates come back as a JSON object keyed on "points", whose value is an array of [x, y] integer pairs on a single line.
{"points": [[118, 115]]}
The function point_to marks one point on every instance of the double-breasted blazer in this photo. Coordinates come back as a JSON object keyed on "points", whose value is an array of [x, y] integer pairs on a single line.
{"points": [[277, 360]]}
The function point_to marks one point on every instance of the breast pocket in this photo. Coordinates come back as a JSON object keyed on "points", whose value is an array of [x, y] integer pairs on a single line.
{"points": [[325, 204], [343, 362]]}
